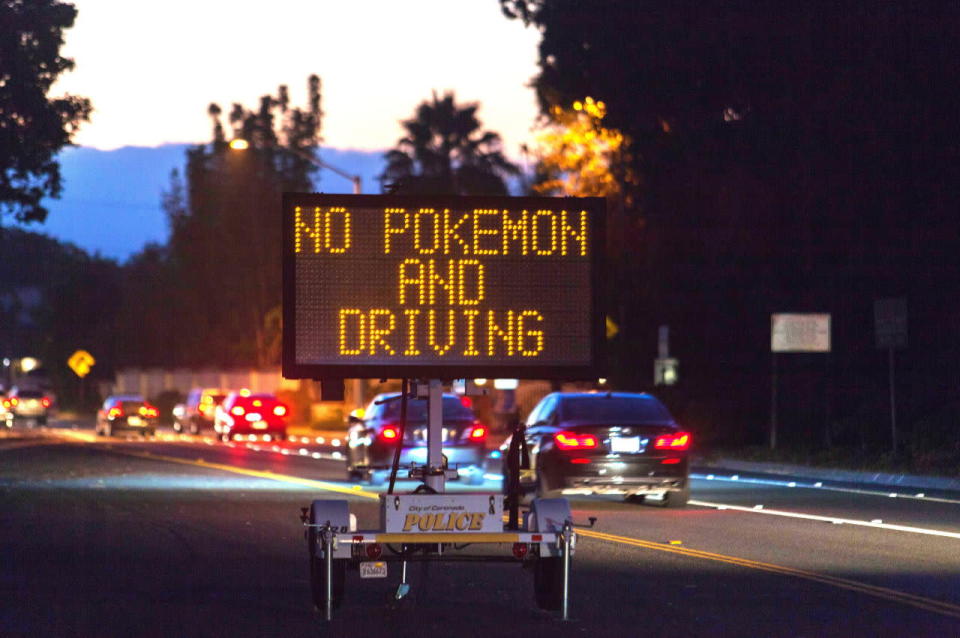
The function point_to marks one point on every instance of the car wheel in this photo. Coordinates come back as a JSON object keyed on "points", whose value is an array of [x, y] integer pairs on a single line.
{"points": [[545, 487], [548, 583], [678, 499]]}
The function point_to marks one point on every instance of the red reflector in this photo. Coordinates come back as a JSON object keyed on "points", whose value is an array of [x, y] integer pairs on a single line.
{"points": [[478, 432], [389, 432], [679, 441], [537, 537], [466, 402], [574, 441], [358, 539], [374, 550], [520, 550], [580, 461], [45, 402], [670, 461]]}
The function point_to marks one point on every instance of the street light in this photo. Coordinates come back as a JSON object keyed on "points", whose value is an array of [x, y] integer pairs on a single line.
{"points": [[240, 144]]}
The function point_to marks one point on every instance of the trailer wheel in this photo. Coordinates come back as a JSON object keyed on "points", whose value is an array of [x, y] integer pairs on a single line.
{"points": [[548, 583]]}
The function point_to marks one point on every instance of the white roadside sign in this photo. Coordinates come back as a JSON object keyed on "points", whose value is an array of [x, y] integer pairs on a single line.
{"points": [[800, 332]]}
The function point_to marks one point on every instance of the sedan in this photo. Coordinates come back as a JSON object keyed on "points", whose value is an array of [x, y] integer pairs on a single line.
{"points": [[244, 415], [129, 413], [607, 443], [373, 437]]}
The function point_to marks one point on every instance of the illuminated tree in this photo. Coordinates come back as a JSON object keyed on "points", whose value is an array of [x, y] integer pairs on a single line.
{"points": [[578, 156], [444, 152], [33, 127]]}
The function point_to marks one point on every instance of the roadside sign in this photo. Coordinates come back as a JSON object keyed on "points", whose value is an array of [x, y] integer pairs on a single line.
{"points": [[665, 371], [890, 322], [80, 362], [800, 332], [378, 286]]}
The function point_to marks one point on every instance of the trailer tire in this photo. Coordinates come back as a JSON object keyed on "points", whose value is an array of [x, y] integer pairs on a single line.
{"points": [[548, 583]]}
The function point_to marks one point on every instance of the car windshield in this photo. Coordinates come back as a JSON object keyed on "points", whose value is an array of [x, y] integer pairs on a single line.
{"points": [[613, 409], [453, 410]]}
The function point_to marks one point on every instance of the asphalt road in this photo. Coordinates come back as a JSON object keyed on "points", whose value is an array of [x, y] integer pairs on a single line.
{"points": [[186, 536]]}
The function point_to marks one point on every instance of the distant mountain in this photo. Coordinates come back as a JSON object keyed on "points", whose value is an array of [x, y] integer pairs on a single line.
{"points": [[111, 199]]}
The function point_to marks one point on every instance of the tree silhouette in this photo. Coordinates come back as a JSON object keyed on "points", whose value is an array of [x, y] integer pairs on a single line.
{"points": [[33, 127], [445, 152]]}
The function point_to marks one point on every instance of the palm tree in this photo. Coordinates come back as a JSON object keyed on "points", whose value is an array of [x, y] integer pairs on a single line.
{"points": [[445, 153]]}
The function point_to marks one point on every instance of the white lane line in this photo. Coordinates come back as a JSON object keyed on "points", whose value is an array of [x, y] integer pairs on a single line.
{"points": [[828, 519], [919, 496]]}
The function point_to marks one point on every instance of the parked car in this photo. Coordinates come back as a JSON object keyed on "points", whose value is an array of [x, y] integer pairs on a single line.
{"points": [[27, 405], [606, 443], [197, 413], [372, 438], [252, 416], [126, 413]]}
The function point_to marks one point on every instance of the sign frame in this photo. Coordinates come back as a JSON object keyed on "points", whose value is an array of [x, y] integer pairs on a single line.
{"points": [[785, 326], [291, 369]]}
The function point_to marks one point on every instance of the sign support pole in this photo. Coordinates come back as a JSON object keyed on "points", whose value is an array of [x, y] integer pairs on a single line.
{"points": [[773, 400], [435, 472], [893, 402]]}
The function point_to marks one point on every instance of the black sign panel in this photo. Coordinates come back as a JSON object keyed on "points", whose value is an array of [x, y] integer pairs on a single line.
{"points": [[378, 286]]}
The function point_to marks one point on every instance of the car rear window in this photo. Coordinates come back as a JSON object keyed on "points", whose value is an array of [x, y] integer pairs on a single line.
{"points": [[264, 399], [131, 406], [453, 410], [30, 394], [613, 409]]}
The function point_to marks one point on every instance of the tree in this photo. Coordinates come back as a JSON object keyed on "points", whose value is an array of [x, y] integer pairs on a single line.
{"points": [[33, 127], [221, 269], [444, 152]]}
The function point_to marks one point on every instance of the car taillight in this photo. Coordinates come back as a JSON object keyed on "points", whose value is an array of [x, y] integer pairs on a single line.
{"points": [[14, 401], [115, 412], [676, 442], [390, 433], [206, 409], [149, 411], [574, 441], [45, 402], [236, 410], [280, 410], [478, 432]]}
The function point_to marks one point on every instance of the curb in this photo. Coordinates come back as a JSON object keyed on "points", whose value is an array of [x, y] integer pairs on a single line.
{"points": [[850, 476]]}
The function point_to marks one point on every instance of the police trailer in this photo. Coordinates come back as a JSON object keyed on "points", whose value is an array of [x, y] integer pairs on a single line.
{"points": [[432, 289]]}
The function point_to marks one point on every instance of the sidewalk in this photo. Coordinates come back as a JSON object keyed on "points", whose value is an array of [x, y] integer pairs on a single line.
{"points": [[830, 474]]}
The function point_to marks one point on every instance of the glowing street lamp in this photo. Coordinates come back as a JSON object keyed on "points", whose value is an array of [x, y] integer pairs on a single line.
{"points": [[240, 144]]}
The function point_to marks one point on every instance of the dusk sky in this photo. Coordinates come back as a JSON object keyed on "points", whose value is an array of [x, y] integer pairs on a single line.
{"points": [[151, 68]]}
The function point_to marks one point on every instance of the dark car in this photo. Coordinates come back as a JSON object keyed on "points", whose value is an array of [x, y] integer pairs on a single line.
{"points": [[26, 405], [197, 412], [244, 415], [372, 439], [128, 413], [607, 443]]}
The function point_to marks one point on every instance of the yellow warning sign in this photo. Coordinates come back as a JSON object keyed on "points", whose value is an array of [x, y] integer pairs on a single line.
{"points": [[80, 362]]}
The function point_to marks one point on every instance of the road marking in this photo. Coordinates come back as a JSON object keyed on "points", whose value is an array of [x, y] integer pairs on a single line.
{"points": [[282, 478], [920, 496], [24, 443], [877, 524], [921, 602]]}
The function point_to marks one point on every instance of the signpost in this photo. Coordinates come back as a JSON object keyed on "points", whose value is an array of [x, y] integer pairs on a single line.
{"points": [[437, 288], [793, 332], [890, 323]]}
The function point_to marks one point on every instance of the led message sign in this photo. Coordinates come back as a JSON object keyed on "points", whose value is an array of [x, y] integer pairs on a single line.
{"points": [[444, 287]]}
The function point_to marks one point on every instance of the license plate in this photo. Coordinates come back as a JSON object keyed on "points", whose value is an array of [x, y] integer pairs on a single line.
{"points": [[625, 444], [135, 420], [377, 569]]}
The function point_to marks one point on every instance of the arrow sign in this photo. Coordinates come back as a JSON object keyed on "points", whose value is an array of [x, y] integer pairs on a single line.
{"points": [[80, 362]]}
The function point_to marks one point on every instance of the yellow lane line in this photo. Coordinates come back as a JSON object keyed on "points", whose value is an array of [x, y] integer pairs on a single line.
{"points": [[22, 443], [928, 604], [282, 478]]}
